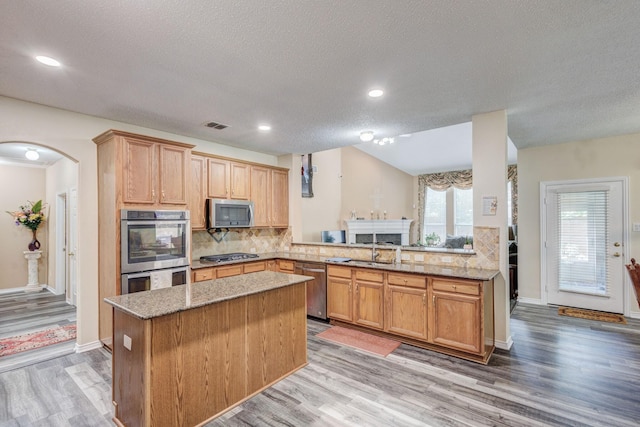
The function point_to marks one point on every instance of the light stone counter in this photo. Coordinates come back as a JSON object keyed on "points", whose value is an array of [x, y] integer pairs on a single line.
{"points": [[429, 269], [161, 302]]}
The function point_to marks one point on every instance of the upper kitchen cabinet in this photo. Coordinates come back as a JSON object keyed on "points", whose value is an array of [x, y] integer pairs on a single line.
{"points": [[228, 179], [270, 196], [198, 192], [152, 172]]}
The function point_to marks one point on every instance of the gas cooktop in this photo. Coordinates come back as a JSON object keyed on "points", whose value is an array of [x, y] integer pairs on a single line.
{"points": [[236, 256]]}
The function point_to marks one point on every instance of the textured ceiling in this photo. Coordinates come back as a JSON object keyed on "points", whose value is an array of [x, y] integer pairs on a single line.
{"points": [[564, 70]]}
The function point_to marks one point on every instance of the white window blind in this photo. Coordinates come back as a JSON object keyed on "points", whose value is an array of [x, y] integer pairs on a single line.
{"points": [[435, 213], [583, 240], [463, 212]]}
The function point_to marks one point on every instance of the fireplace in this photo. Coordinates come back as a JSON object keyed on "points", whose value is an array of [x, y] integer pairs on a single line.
{"points": [[395, 231]]}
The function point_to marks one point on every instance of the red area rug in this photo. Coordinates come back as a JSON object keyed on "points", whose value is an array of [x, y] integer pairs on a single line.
{"points": [[356, 339], [20, 343]]}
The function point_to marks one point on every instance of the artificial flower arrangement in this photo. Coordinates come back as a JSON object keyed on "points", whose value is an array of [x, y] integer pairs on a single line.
{"points": [[31, 215]]}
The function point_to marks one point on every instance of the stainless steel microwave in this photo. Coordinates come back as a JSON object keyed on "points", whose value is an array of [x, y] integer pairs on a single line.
{"points": [[224, 213]]}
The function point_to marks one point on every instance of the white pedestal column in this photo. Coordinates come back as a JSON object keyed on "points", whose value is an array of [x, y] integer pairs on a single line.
{"points": [[32, 264]]}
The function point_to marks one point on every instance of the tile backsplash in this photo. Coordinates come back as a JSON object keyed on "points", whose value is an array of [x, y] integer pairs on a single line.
{"points": [[258, 240], [486, 244]]}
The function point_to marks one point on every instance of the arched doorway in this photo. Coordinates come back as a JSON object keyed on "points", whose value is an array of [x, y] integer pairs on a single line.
{"points": [[52, 178]]}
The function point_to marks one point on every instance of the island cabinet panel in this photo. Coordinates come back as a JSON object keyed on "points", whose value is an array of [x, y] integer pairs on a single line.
{"points": [[339, 298], [186, 368], [368, 299], [457, 314]]}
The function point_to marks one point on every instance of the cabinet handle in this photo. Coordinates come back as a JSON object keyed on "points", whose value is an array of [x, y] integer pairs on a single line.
{"points": [[433, 299], [424, 299], [356, 287], [153, 194], [405, 282], [162, 194]]}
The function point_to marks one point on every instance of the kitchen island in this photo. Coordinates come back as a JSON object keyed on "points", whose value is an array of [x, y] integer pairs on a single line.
{"points": [[186, 354]]}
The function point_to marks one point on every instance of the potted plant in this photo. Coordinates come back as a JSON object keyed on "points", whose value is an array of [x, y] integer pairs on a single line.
{"points": [[432, 239], [468, 244], [30, 215]]}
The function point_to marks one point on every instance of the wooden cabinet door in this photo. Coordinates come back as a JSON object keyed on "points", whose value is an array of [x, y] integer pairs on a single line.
{"points": [[198, 192], [240, 178], [339, 300], [368, 298], [138, 171], [279, 198], [457, 321], [218, 177], [260, 185], [285, 266], [406, 311], [173, 174]]}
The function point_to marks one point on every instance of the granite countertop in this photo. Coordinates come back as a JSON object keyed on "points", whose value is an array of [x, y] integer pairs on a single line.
{"points": [[160, 302], [430, 269]]}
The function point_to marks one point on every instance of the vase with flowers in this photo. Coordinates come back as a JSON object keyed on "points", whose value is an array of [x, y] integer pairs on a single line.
{"points": [[30, 215]]}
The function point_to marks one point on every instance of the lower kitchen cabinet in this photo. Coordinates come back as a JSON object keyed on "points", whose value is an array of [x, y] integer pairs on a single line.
{"points": [[406, 310], [368, 299], [453, 316], [339, 297], [457, 315]]}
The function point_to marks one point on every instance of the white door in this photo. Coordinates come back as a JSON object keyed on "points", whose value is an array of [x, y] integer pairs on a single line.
{"points": [[73, 245], [62, 284], [583, 242]]}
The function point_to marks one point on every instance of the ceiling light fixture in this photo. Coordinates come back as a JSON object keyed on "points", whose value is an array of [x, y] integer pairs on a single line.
{"points": [[32, 154], [376, 93], [384, 141], [48, 61], [264, 128], [366, 135]]}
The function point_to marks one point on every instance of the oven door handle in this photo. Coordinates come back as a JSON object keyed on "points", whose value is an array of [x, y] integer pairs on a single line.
{"points": [[156, 222], [137, 275]]}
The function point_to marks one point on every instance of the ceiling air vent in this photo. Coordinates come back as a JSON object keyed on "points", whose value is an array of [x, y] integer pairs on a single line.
{"points": [[215, 125]]}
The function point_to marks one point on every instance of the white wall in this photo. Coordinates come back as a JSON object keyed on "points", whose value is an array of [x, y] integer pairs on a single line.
{"points": [[60, 178], [490, 180], [597, 158], [72, 134], [20, 184]]}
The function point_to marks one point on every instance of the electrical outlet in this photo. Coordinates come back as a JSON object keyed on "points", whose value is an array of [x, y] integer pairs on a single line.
{"points": [[127, 342], [636, 226], [419, 258]]}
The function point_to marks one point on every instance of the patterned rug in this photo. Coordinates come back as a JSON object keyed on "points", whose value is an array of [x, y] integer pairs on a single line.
{"points": [[20, 343], [360, 340], [592, 315]]}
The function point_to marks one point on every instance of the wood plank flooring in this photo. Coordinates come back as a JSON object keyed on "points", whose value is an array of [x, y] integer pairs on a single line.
{"points": [[561, 371], [22, 313]]}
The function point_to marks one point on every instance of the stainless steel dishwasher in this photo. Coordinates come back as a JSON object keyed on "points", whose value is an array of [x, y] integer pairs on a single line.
{"points": [[316, 288]]}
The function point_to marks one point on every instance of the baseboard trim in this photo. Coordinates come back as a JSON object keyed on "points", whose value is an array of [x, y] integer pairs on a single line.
{"points": [[81, 348], [11, 290], [504, 345], [534, 301]]}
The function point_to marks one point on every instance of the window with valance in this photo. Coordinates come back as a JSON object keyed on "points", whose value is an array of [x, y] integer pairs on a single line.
{"points": [[463, 180]]}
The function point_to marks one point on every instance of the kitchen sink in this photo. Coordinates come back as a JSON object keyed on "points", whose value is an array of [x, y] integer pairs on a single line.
{"points": [[368, 262]]}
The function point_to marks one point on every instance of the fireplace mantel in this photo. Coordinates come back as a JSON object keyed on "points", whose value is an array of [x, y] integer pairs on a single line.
{"points": [[379, 226]]}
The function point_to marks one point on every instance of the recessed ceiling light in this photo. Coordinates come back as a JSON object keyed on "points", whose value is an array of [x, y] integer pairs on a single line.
{"points": [[48, 61], [264, 128], [376, 93], [32, 154], [366, 135]]}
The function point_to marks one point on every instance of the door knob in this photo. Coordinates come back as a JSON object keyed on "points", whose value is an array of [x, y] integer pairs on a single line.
{"points": [[616, 244], [71, 254], [616, 254]]}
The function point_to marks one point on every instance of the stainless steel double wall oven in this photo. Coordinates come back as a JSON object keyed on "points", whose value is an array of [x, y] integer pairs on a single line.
{"points": [[155, 249]]}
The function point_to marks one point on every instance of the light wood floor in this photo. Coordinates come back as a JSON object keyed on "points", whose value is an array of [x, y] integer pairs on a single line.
{"points": [[561, 371], [22, 313]]}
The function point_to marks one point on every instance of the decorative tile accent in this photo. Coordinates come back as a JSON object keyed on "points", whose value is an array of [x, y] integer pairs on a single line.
{"points": [[259, 240]]}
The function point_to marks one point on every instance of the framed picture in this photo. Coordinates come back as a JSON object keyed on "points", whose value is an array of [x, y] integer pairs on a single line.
{"points": [[307, 176]]}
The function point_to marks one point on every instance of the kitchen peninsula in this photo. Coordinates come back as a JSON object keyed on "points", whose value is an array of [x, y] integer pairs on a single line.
{"points": [[186, 354]]}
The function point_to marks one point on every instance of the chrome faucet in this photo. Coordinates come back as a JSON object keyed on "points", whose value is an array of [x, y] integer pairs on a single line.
{"points": [[374, 254]]}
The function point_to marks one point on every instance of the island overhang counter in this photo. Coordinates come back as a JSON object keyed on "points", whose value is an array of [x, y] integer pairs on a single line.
{"points": [[186, 354]]}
